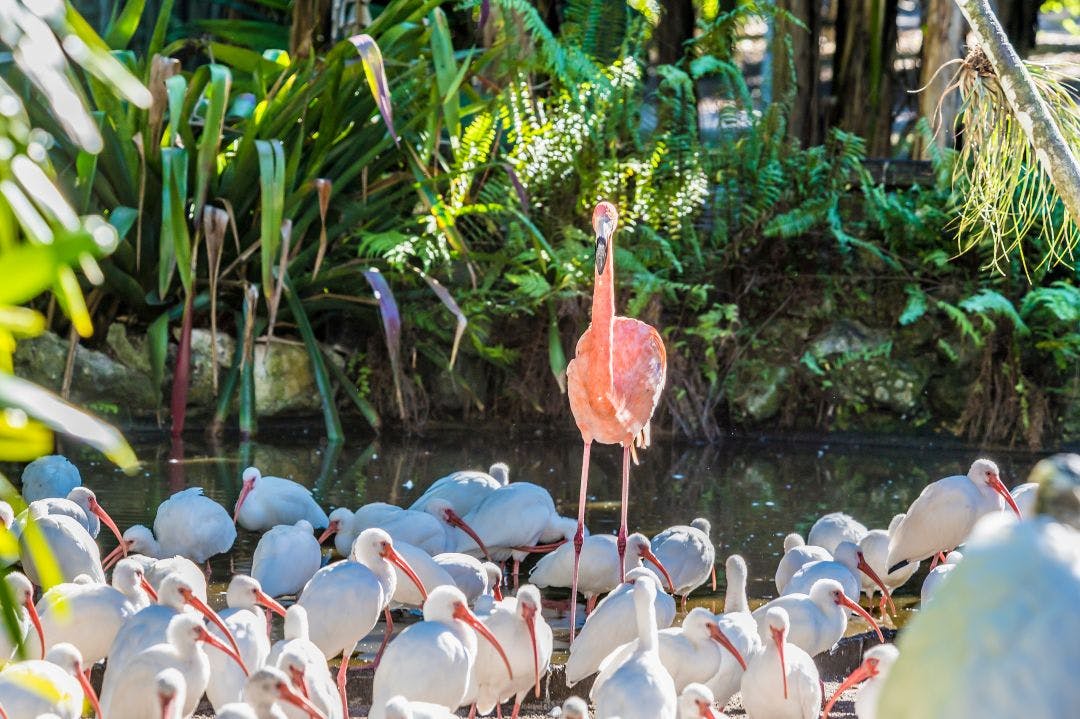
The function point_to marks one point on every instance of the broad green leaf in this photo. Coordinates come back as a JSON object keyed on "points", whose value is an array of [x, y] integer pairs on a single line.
{"points": [[556, 355], [70, 298], [175, 243], [272, 186], [157, 347], [161, 26], [123, 27], [217, 99], [176, 89], [334, 432]]}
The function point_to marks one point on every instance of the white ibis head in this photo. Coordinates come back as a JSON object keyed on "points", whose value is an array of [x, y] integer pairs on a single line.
{"points": [[779, 625], [22, 592], [696, 701], [250, 477], [827, 591], [67, 657], [528, 605], [340, 519], [704, 622], [639, 547], [849, 554], [375, 545], [985, 472], [445, 512], [129, 576], [270, 684], [246, 592], [85, 498], [447, 604], [876, 660]]}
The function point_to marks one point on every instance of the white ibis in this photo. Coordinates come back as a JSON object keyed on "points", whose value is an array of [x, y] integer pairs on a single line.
{"points": [[54, 685], [149, 627], [831, 529], [473, 577], [81, 504], [818, 619], [296, 653], [263, 692], [941, 517], [599, 570], [641, 687], [998, 640], [796, 554], [937, 575], [49, 476], [874, 670], [401, 708], [465, 489], [344, 599], [688, 554], [188, 524], [613, 623], [431, 660], [89, 616], [848, 565], [26, 617], [430, 573], [696, 702], [171, 694], [434, 530], [247, 625], [520, 629], [157, 569], [341, 527], [575, 708], [267, 501], [691, 653], [129, 696], [739, 626], [782, 681], [74, 550], [285, 558], [875, 549]]}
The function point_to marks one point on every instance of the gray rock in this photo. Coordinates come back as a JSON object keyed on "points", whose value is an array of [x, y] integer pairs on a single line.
{"points": [[201, 392], [284, 380], [756, 390], [130, 354]]}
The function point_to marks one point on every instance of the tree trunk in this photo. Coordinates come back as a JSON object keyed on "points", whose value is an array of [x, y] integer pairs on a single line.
{"points": [[308, 26], [863, 70], [1019, 18], [1055, 156], [675, 28], [943, 41], [804, 121]]}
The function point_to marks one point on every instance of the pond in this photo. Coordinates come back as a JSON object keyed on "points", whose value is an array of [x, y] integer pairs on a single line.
{"points": [[753, 491]]}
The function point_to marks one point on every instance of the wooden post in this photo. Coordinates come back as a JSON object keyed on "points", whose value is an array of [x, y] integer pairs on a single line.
{"points": [[944, 31]]}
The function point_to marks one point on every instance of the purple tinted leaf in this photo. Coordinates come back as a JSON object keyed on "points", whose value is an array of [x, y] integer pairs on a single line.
{"points": [[522, 193], [485, 11], [447, 299], [376, 77], [391, 319]]}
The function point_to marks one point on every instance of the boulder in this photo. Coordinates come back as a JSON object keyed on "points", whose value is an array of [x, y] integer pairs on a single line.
{"points": [[201, 392], [284, 380], [755, 389]]}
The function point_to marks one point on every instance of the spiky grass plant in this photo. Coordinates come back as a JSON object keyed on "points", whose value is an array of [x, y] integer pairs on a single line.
{"points": [[1010, 206]]}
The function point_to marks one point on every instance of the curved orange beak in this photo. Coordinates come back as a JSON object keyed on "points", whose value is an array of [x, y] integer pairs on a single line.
{"points": [[455, 520], [529, 612], [88, 689], [497, 591], [244, 492], [462, 613], [210, 614], [866, 569], [778, 639], [101, 514], [148, 588], [997, 485], [31, 611], [205, 636], [116, 554], [331, 529], [269, 602], [299, 678], [287, 694], [720, 638], [647, 554], [864, 671], [854, 606], [390, 555], [705, 711]]}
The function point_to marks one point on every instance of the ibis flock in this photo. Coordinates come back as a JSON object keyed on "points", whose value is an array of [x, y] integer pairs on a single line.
{"points": [[998, 634]]}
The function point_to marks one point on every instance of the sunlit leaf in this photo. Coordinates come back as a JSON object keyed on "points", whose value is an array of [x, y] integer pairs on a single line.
{"points": [[217, 98], [376, 77], [391, 319], [21, 438], [272, 184], [124, 25], [447, 299]]}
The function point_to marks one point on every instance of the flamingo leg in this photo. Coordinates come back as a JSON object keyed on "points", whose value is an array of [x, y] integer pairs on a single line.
{"points": [[498, 711], [343, 671], [472, 711], [517, 708], [620, 542], [386, 637], [579, 536]]}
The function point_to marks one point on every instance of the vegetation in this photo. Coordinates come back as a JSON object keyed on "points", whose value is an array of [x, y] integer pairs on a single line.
{"points": [[411, 205]]}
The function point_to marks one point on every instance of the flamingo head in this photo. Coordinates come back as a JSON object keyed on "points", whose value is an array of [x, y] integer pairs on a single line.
{"points": [[604, 220], [250, 477]]}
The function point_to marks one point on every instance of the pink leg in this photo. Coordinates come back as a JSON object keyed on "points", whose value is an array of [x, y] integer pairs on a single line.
{"points": [[590, 604], [498, 711], [386, 637], [714, 577], [579, 536], [517, 566], [682, 604], [472, 711], [620, 542], [343, 670], [941, 557], [934, 563], [517, 708]]}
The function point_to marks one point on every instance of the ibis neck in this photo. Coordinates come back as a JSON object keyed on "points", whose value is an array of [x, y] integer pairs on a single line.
{"points": [[735, 594]]}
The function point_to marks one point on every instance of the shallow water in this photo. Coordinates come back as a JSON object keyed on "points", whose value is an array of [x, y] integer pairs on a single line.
{"points": [[753, 492]]}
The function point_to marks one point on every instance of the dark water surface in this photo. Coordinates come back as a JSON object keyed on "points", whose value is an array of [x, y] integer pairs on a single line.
{"points": [[753, 492]]}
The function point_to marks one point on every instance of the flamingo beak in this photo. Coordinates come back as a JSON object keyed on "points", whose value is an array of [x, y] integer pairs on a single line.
{"points": [[720, 638], [866, 569], [390, 555], [101, 514], [148, 588], [269, 602], [205, 636], [778, 639], [287, 694], [249, 485], [331, 530], [462, 613], [866, 670], [529, 612], [114, 556], [647, 554], [299, 678], [210, 614], [854, 606], [455, 520], [996, 484], [704, 710], [88, 689], [31, 611]]}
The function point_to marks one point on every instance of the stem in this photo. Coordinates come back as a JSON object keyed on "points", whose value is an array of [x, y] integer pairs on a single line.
{"points": [[182, 375], [1053, 152]]}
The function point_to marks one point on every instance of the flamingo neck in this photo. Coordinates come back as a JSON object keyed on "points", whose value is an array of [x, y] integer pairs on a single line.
{"points": [[603, 311]]}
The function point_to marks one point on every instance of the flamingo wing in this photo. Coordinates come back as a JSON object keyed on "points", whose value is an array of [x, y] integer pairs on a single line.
{"points": [[639, 364]]}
